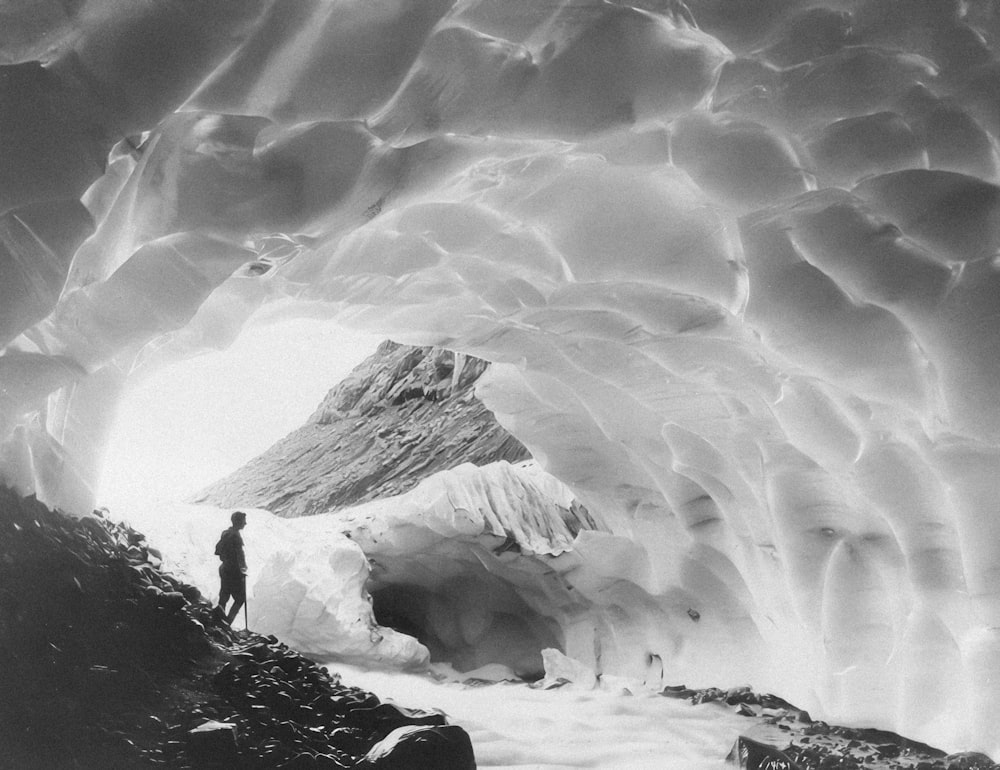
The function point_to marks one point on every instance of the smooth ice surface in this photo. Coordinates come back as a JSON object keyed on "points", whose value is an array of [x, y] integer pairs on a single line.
{"points": [[737, 265]]}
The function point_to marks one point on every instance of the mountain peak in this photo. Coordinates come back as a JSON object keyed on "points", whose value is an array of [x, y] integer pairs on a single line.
{"points": [[402, 414]]}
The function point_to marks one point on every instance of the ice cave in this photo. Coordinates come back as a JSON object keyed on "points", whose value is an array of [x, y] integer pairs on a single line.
{"points": [[735, 267]]}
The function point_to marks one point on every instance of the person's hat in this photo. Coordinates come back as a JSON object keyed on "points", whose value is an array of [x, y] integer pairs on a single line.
{"points": [[238, 516]]}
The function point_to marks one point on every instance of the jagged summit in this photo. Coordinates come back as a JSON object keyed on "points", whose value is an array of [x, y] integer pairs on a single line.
{"points": [[401, 415]]}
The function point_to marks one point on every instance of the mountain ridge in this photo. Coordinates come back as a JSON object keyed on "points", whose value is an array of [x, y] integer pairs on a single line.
{"points": [[401, 415]]}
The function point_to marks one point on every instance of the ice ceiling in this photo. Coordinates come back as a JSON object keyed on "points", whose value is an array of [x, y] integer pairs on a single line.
{"points": [[738, 264]]}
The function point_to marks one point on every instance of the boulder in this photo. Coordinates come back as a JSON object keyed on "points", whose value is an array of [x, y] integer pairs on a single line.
{"points": [[968, 760], [748, 754], [405, 748], [213, 741], [171, 600]]}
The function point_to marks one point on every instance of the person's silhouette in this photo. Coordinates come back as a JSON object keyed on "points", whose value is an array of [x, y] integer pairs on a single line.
{"points": [[233, 570]]}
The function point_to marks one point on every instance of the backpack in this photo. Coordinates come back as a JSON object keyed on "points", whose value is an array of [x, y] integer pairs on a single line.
{"points": [[222, 547]]}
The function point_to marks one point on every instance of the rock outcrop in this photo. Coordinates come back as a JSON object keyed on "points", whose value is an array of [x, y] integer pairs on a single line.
{"points": [[402, 415]]}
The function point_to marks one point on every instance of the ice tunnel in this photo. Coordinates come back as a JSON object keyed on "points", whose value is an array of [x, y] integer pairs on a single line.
{"points": [[737, 266]]}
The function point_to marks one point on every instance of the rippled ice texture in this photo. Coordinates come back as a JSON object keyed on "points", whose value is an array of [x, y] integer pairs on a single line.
{"points": [[737, 264]]}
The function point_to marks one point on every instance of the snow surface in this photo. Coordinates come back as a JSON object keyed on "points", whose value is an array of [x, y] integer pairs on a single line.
{"points": [[514, 726], [736, 263]]}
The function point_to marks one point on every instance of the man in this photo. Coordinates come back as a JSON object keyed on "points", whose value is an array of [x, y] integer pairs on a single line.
{"points": [[233, 570]]}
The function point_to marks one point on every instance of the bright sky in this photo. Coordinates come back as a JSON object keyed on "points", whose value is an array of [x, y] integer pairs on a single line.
{"points": [[193, 422]]}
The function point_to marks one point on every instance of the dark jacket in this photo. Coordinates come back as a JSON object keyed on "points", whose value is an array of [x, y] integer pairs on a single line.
{"points": [[230, 550]]}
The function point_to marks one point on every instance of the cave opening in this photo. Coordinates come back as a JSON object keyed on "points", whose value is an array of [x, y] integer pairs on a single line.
{"points": [[184, 420], [469, 621]]}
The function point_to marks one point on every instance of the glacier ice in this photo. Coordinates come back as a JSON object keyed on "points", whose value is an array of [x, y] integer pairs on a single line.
{"points": [[736, 265], [480, 563], [477, 568]]}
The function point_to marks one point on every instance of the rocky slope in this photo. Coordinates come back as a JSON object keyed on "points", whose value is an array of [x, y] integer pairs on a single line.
{"points": [[400, 416], [109, 662], [780, 736]]}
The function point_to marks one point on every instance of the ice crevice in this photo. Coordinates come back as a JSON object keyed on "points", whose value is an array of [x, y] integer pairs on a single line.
{"points": [[735, 267]]}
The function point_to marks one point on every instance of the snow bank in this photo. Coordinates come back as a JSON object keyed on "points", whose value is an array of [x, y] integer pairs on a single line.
{"points": [[304, 585]]}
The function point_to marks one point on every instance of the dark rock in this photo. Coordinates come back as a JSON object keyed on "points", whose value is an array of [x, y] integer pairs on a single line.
{"points": [[213, 742], [329, 762], [190, 593], [301, 761], [767, 700], [408, 748], [350, 739], [171, 600], [884, 737], [749, 754], [741, 695], [888, 750], [968, 760], [389, 716]]}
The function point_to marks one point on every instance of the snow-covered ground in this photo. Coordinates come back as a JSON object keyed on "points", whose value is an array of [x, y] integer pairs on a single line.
{"points": [[515, 726]]}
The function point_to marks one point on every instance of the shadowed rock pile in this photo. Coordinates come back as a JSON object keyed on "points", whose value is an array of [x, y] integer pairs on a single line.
{"points": [[292, 713], [783, 737], [403, 414], [108, 662]]}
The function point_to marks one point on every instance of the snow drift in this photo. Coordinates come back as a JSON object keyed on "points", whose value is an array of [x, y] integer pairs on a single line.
{"points": [[736, 265]]}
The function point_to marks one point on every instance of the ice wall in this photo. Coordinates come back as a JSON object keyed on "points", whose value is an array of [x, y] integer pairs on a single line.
{"points": [[738, 263], [305, 583], [476, 566]]}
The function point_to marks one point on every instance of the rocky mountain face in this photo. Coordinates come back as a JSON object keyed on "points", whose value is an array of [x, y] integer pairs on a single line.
{"points": [[401, 415]]}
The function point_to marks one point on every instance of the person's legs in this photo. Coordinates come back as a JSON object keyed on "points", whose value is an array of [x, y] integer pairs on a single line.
{"points": [[238, 589], [235, 610], [225, 590]]}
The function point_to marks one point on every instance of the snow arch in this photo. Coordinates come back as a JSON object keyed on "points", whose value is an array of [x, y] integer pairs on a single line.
{"points": [[737, 265]]}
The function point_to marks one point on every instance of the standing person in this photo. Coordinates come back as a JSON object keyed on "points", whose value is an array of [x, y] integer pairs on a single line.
{"points": [[233, 570]]}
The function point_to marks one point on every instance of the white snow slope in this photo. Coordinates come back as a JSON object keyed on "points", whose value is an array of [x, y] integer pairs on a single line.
{"points": [[737, 265]]}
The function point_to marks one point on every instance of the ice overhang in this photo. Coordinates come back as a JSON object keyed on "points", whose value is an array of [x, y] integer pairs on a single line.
{"points": [[738, 271]]}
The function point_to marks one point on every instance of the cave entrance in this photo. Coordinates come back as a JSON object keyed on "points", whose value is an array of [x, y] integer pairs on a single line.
{"points": [[468, 621], [184, 421]]}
